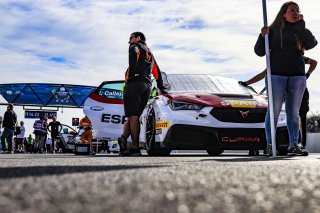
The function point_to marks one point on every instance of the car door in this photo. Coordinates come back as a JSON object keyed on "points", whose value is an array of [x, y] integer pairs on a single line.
{"points": [[105, 109]]}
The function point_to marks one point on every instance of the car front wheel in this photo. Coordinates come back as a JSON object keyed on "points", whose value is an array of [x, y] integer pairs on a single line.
{"points": [[214, 152], [153, 148]]}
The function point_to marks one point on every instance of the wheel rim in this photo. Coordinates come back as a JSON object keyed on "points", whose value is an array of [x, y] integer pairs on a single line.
{"points": [[150, 130]]}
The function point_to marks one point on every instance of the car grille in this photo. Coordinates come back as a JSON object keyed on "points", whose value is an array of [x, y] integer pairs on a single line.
{"points": [[248, 115]]}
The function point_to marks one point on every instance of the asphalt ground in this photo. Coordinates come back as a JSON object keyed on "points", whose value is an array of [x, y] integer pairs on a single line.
{"points": [[179, 183]]}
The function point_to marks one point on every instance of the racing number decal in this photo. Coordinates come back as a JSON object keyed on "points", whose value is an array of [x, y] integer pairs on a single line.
{"points": [[241, 103]]}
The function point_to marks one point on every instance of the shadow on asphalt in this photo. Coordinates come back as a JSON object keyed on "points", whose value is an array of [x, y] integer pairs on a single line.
{"points": [[23, 156], [248, 159], [18, 172]]}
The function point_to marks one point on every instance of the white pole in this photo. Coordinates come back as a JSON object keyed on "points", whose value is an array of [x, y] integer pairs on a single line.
{"points": [[270, 96]]}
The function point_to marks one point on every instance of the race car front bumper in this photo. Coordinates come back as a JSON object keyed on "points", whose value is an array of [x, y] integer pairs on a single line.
{"points": [[182, 136]]}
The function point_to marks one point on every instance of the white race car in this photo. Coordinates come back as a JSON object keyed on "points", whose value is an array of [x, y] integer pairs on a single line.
{"points": [[200, 112]]}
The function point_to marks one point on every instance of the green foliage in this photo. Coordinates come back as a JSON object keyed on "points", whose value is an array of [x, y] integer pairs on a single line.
{"points": [[313, 122]]}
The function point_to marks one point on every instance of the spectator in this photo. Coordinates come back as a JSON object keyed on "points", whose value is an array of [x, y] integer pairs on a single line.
{"points": [[86, 126], [48, 145], [29, 144], [40, 131], [9, 123], [25, 142], [20, 137], [86, 135], [1, 119], [54, 127]]}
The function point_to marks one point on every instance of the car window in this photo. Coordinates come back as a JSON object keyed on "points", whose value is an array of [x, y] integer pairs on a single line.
{"points": [[66, 129], [113, 90]]}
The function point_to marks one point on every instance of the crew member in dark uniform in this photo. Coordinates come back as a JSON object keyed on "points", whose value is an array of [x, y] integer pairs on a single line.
{"points": [[9, 124], [54, 127], [137, 90]]}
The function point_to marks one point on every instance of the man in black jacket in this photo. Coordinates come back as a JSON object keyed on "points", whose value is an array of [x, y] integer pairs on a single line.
{"points": [[9, 123], [137, 90], [54, 127]]}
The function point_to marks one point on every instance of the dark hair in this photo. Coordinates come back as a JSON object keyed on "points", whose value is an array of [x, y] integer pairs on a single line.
{"points": [[41, 115], [279, 21], [10, 106], [137, 34]]}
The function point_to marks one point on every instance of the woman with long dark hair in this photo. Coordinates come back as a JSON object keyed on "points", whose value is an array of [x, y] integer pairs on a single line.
{"points": [[288, 39]]}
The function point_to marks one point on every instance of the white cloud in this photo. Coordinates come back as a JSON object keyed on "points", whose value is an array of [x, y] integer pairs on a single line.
{"points": [[91, 37]]}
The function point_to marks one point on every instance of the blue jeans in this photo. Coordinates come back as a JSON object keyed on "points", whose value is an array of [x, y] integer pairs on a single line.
{"points": [[7, 134], [290, 89]]}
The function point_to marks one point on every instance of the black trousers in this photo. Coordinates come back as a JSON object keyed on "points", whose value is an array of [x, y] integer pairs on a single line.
{"points": [[303, 118], [304, 108], [53, 138]]}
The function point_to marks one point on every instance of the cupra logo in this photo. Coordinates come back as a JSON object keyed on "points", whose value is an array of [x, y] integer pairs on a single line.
{"points": [[244, 114]]}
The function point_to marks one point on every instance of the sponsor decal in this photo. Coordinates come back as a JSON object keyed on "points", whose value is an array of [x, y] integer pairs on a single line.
{"points": [[115, 119], [240, 103], [240, 139], [111, 93], [162, 124], [244, 114], [62, 95], [158, 131]]}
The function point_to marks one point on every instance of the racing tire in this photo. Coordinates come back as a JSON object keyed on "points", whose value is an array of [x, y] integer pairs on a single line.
{"points": [[153, 148], [254, 152], [214, 152]]}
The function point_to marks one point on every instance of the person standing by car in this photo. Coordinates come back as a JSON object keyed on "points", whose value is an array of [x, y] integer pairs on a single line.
{"points": [[304, 108], [20, 137], [48, 145], [40, 131], [137, 90], [288, 39], [29, 144], [86, 127], [1, 119], [9, 124], [54, 127]]}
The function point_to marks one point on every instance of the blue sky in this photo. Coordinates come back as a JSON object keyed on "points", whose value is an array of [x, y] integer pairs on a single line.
{"points": [[86, 41]]}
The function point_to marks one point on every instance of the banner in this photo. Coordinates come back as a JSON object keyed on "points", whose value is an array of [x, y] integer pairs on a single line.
{"points": [[35, 114]]}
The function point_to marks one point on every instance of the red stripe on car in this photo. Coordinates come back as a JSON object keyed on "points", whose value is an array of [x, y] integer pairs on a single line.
{"points": [[101, 99]]}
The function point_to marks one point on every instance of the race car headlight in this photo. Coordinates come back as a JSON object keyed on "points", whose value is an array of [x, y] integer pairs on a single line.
{"points": [[178, 105]]}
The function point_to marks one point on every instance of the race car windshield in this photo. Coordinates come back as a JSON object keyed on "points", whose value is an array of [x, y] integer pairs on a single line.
{"points": [[113, 90], [205, 83]]}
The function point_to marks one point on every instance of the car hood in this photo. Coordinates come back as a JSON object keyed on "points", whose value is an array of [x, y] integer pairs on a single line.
{"points": [[221, 100]]}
